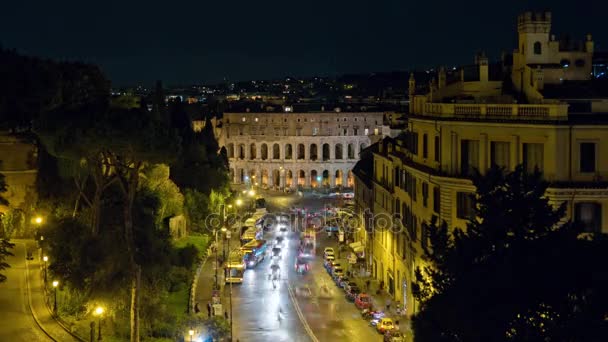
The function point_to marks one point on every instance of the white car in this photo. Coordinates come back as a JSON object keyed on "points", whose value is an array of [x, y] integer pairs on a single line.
{"points": [[328, 250]]}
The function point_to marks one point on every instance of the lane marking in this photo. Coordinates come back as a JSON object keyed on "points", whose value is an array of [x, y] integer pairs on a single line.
{"points": [[301, 315]]}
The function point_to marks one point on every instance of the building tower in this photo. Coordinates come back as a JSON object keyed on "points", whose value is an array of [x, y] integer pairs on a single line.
{"points": [[533, 31], [411, 90]]}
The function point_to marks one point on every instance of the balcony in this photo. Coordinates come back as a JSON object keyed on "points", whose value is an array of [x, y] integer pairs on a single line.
{"points": [[498, 111]]}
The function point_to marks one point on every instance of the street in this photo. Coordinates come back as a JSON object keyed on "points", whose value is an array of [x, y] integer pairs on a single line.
{"points": [[16, 321], [257, 304]]}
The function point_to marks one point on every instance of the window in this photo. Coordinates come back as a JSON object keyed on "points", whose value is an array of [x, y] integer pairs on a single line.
{"points": [[305, 119], [412, 142], [465, 206], [298, 119], [256, 119], [375, 131], [424, 236], [315, 130], [588, 216], [396, 177], [344, 119], [499, 154], [425, 146], [469, 156], [538, 48], [366, 131], [345, 131], [355, 131], [437, 149], [436, 200], [587, 157], [533, 157], [425, 194], [243, 119]]}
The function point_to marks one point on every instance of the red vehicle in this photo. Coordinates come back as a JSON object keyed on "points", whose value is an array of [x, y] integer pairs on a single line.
{"points": [[363, 301]]}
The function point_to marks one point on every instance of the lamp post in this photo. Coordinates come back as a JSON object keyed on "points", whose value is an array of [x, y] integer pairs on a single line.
{"points": [[55, 284], [216, 261], [45, 259], [41, 245], [191, 333], [224, 229], [99, 312]]}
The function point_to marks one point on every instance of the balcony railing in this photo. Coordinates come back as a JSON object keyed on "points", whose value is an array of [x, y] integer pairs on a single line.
{"points": [[498, 111]]}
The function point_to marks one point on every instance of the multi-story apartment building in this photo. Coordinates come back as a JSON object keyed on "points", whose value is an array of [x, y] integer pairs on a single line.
{"points": [[543, 111], [278, 148]]}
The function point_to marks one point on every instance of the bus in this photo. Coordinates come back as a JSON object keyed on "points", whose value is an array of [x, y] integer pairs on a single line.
{"points": [[308, 244], [235, 267], [254, 252]]}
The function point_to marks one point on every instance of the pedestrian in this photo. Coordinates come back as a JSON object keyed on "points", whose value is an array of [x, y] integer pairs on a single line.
{"points": [[196, 308], [226, 315], [367, 285], [209, 309], [397, 325], [388, 304]]}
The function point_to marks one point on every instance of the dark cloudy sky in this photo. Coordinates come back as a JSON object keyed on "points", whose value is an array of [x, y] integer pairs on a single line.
{"points": [[185, 41]]}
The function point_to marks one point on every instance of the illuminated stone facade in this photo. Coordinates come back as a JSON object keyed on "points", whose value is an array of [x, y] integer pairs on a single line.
{"points": [[297, 150]]}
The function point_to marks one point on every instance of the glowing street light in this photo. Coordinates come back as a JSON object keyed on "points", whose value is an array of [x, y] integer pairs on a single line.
{"points": [[38, 220], [251, 193], [239, 202], [55, 284], [99, 313], [191, 333]]}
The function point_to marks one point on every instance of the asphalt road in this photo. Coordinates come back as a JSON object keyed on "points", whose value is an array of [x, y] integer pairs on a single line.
{"points": [[258, 305], [16, 321]]}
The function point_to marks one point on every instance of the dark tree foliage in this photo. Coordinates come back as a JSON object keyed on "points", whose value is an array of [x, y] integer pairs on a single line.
{"points": [[515, 274], [5, 245]]}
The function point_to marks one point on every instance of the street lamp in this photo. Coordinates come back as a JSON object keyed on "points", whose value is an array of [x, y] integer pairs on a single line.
{"points": [[191, 333], [38, 220], [99, 312], [55, 284], [224, 230], [45, 259], [252, 192]]}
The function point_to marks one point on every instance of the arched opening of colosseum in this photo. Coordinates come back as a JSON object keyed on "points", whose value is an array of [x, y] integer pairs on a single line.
{"points": [[351, 151], [313, 152], [288, 151], [289, 179], [301, 178], [232, 174], [252, 152], [252, 177], [264, 180], [276, 151], [313, 179], [230, 150], [242, 175], [351, 179], [325, 152], [241, 151], [325, 180], [264, 152], [339, 178], [300, 151], [276, 178], [338, 154]]}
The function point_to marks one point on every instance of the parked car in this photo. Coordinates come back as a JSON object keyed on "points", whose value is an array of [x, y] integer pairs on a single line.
{"points": [[352, 293], [363, 301], [328, 250], [385, 324], [302, 266], [337, 272], [394, 336]]}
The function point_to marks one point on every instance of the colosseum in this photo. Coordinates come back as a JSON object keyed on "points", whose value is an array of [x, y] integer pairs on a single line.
{"points": [[283, 149]]}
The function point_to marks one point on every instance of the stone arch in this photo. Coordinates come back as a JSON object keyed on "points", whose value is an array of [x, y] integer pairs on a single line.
{"points": [[339, 175], [231, 150], [313, 152], [538, 48], [276, 151], [253, 152], [252, 177], [288, 179], [325, 152], [264, 152], [350, 181], [241, 154], [242, 175], [325, 178], [301, 152], [314, 178], [288, 151], [351, 151], [338, 153], [264, 178], [232, 174], [301, 178], [276, 178]]}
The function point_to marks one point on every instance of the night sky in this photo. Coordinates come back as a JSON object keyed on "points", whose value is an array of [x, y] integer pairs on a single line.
{"points": [[187, 41]]}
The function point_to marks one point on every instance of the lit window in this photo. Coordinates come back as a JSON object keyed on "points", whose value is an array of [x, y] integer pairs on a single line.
{"points": [[366, 131], [256, 119], [244, 119]]}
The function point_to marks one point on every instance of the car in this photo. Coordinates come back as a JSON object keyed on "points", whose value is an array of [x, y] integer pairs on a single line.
{"points": [[394, 336], [337, 272], [329, 259], [329, 254], [276, 253], [330, 265], [346, 284], [302, 266], [385, 324], [363, 301], [343, 281], [278, 241], [29, 255], [328, 250], [350, 285], [348, 195], [303, 291]]}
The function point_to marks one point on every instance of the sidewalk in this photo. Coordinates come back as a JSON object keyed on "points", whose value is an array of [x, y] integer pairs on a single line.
{"points": [[40, 310]]}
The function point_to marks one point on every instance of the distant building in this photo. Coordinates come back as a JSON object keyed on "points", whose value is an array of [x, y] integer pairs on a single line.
{"points": [[278, 147], [544, 111]]}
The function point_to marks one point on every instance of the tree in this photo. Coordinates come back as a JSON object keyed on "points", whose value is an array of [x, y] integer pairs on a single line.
{"points": [[503, 278], [5, 245]]}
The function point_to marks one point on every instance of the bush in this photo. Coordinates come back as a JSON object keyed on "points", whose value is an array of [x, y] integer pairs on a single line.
{"points": [[187, 256]]}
